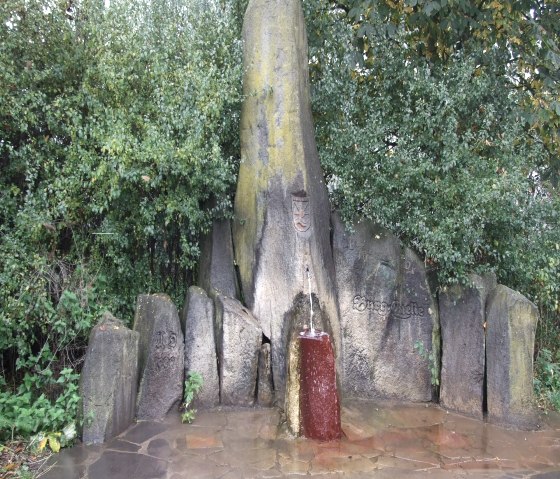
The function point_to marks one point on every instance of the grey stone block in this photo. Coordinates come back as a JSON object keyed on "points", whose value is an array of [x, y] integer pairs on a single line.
{"points": [[462, 312], [282, 210], [161, 364], [200, 346], [240, 343], [265, 396], [108, 382], [217, 271], [510, 340], [293, 386], [385, 308]]}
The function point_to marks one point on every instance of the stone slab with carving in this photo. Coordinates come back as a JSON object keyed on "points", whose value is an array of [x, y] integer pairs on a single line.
{"points": [[217, 271], [462, 312], [108, 381], [161, 364], [386, 306], [239, 345], [200, 345], [282, 211], [511, 321]]}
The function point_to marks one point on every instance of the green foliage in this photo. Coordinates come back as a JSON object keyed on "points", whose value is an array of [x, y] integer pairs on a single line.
{"points": [[118, 147], [438, 152], [29, 411], [526, 31], [431, 359], [193, 384], [547, 379], [435, 121]]}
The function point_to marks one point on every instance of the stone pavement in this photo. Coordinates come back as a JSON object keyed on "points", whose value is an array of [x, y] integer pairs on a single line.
{"points": [[381, 440]]}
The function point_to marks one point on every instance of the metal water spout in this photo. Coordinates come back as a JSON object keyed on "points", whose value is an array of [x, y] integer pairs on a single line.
{"points": [[310, 302]]}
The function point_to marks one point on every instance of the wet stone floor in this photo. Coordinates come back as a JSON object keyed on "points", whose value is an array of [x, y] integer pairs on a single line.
{"points": [[381, 441]]}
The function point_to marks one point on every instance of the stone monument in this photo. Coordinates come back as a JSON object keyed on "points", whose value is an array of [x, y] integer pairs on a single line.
{"points": [[281, 227], [463, 320]]}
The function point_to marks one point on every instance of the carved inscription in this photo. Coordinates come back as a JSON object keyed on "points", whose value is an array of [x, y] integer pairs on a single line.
{"points": [[165, 354], [404, 311], [301, 216]]}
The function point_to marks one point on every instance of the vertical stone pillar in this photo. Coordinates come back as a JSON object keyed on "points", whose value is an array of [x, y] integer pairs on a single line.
{"points": [[319, 402], [462, 312], [200, 346], [282, 212], [108, 382], [161, 356], [510, 340]]}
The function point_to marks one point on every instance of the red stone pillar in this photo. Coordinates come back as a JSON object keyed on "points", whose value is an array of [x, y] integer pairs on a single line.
{"points": [[319, 403]]}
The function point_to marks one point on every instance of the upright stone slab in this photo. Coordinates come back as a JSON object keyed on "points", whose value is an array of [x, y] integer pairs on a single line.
{"points": [[108, 382], [386, 307], [265, 394], [413, 319], [200, 345], [510, 339], [217, 271], [281, 227], [462, 312], [293, 386], [161, 363], [240, 342]]}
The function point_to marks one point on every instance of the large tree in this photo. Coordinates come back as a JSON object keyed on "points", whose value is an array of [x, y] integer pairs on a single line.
{"points": [[438, 119]]}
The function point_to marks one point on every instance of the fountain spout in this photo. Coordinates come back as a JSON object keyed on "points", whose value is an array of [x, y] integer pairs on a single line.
{"points": [[310, 302]]}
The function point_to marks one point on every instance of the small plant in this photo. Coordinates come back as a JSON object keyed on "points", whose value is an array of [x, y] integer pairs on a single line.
{"points": [[193, 384], [547, 380], [431, 358], [55, 440]]}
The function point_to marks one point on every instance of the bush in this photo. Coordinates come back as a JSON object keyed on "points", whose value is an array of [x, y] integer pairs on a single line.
{"points": [[118, 148], [547, 379]]}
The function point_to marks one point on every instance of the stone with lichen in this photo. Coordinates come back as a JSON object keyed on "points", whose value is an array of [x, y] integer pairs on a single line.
{"points": [[282, 212]]}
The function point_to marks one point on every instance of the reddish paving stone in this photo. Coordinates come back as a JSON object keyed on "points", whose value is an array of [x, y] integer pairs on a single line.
{"points": [[202, 440], [435, 445]]}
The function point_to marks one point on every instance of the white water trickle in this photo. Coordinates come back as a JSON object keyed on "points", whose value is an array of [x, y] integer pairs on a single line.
{"points": [[310, 303]]}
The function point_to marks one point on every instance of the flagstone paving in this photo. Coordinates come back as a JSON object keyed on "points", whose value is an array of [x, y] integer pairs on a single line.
{"points": [[381, 440]]}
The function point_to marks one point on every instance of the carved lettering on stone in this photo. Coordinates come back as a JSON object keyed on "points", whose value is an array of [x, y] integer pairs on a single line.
{"points": [[301, 216], [166, 340], [165, 354], [403, 311]]}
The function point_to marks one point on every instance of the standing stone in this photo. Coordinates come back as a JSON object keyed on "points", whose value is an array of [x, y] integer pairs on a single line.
{"points": [[510, 338], [265, 396], [413, 319], [462, 312], [109, 380], [161, 363], [386, 307], [293, 386], [240, 343], [200, 345], [217, 271], [281, 227]]}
